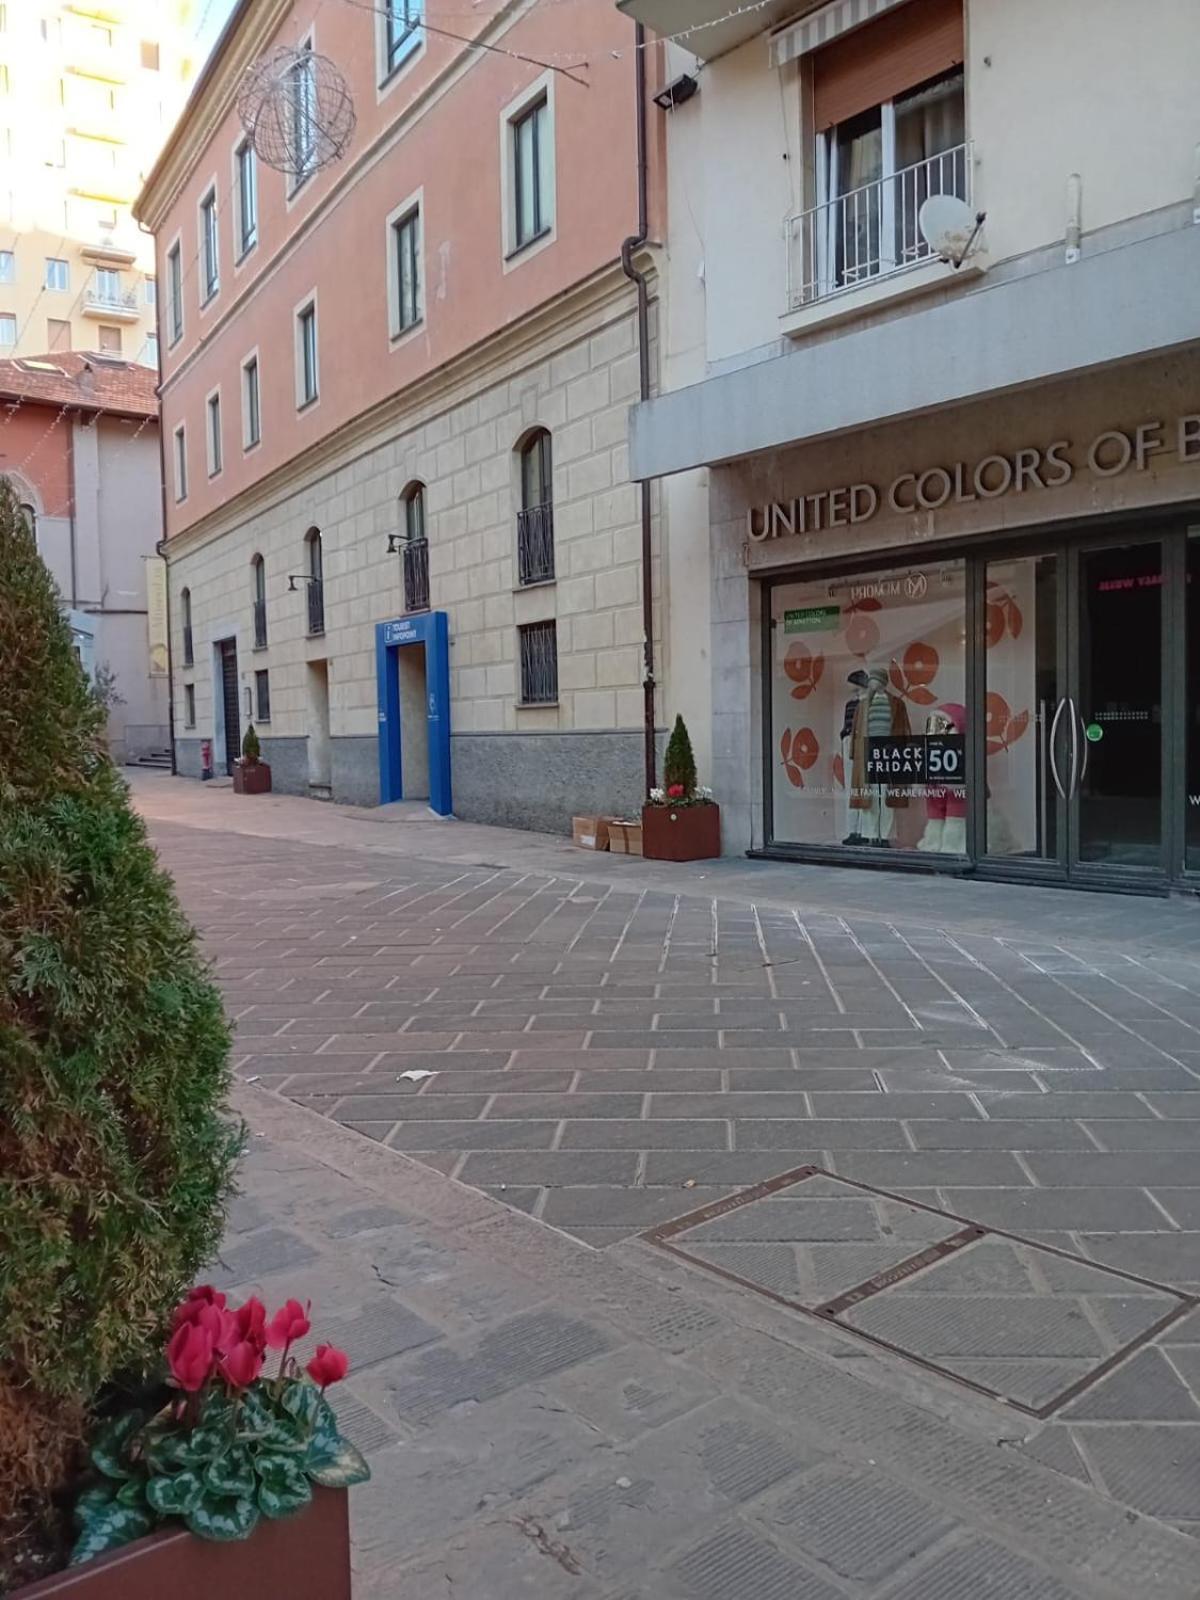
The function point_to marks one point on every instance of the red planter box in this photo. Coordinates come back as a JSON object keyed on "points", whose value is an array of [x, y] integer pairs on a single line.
{"points": [[251, 778], [681, 833], [305, 1557]]}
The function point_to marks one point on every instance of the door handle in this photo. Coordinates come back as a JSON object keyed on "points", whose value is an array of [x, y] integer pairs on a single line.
{"points": [[1083, 730], [1058, 711], [1075, 774]]}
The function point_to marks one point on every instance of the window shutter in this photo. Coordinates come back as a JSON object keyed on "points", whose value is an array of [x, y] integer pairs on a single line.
{"points": [[881, 60]]}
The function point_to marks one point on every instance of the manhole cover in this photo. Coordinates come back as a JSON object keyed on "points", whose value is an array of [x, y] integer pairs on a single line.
{"points": [[1016, 1320]]}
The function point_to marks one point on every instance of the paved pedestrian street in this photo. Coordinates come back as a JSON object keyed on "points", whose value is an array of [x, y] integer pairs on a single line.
{"points": [[912, 1168]]}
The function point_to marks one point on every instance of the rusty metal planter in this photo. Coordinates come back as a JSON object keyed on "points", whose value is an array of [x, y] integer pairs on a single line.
{"points": [[305, 1557], [681, 833], [251, 777]]}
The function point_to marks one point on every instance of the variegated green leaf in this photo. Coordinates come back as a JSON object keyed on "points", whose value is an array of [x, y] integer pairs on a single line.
{"points": [[174, 1494], [132, 1492], [108, 1528], [338, 1468], [277, 1501], [231, 1474], [217, 1517], [302, 1400], [110, 1444]]}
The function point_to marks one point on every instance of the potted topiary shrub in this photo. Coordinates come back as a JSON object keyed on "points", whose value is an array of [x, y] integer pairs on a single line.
{"points": [[681, 821], [251, 775], [115, 1158]]}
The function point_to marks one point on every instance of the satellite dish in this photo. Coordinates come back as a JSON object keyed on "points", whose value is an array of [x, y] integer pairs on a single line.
{"points": [[949, 227]]}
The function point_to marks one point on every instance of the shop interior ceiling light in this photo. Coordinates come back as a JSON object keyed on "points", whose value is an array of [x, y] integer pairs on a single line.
{"points": [[297, 110]]}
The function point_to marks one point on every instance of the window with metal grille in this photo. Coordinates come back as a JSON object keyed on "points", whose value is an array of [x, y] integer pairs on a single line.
{"points": [[185, 606], [259, 573], [415, 554], [316, 582], [535, 520], [539, 663], [262, 696]]}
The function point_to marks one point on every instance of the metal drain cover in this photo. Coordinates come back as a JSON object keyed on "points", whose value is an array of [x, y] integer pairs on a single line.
{"points": [[1016, 1320]]}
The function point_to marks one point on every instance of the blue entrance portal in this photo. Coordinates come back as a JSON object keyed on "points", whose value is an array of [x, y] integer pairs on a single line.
{"points": [[431, 629]]}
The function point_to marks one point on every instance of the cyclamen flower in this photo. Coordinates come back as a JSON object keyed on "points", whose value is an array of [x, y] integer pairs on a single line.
{"points": [[328, 1366], [190, 1356]]}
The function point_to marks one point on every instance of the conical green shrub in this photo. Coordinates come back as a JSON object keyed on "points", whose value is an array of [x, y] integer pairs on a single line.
{"points": [[115, 1160], [679, 764]]}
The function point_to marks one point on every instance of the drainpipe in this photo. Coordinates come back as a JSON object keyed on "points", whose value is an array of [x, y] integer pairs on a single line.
{"points": [[638, 278], [161, 546]]}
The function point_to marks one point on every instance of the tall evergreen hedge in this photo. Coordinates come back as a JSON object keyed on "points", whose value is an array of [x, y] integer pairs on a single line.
{"points": [[115, 1160]]}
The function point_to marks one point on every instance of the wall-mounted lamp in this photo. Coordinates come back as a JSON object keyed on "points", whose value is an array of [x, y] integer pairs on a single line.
{"points": [[396, 541], [300, 577], [677, 92]]}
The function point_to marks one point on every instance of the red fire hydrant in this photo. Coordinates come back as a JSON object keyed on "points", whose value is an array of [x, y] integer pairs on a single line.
{"points": [[206, 768]]}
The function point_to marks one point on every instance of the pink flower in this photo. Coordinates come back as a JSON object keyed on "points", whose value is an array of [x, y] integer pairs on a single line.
{"points": [[190, 1356], [202, 1295], [288, 1324], [251, 1323], [676, 791], [242, 1364], [328, 1366]]}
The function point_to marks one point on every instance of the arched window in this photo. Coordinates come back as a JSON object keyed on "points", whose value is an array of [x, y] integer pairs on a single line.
{"points": [[316, 581], [185, 606], [30, 513], [535, 519], [415, 554], [258, 575]]}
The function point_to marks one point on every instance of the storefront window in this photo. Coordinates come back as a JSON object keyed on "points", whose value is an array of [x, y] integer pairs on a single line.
{"points": [[868, 693]]}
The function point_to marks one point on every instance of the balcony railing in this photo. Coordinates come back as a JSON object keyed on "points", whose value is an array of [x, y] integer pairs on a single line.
{"points": [[535, 544], [870, 232], [416, 575], [260, 624], [316, 605], [102, 300], [189, 659]]}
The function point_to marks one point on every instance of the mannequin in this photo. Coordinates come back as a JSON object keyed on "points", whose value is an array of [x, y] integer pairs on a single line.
{"points": [[945, 804], [852, 820], [880, 713]]}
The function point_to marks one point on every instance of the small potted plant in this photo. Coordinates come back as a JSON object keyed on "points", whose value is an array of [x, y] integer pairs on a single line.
{"points": [[681, 821], [251, 775], [221, 1449]]}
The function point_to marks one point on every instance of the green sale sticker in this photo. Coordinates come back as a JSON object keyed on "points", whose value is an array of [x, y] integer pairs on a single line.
{"points": [[812, 619]]}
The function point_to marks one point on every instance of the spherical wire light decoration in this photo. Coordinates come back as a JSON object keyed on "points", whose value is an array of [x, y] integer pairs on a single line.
{"points": [[296, 108]]}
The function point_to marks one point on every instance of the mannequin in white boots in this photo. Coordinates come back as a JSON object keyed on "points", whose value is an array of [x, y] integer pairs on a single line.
{"points": [[945, 804]]}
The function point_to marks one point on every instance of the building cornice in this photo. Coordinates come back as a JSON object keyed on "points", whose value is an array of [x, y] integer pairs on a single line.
{"points": [[579, 312]]}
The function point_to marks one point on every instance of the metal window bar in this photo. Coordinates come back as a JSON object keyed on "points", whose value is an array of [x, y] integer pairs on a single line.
{"points": [[535, 544], [316, 605], [260, 624], [262, 696], [871, 231], [416, 575], [539, 663]]}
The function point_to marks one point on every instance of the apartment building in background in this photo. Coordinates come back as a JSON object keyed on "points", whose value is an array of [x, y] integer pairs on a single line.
{"points": [[88, 91], [79, 445], [931, 499], [401, 536]]}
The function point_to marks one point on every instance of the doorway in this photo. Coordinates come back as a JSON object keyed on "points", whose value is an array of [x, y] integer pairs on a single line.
{"points": [[414, 723], [227, 649], [412, 667], [320, 759], [1076, 634]]}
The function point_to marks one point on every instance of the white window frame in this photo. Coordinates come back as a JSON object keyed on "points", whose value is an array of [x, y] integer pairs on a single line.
{"points": [[300, 178], [305, 401], [8, 274], [174, 265], [250, 363], [408, 210], [247, 240], [181, 474], [150, 290], [407, 49], [210, 266], [541, 90], [214, 443], [152, 339], [7, 317], [65, 286]]}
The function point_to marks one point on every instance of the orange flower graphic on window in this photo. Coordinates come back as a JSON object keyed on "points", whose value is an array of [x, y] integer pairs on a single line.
{"points": [[862, 635], [797, 753], [912, 675], [1003, 727], [803, 668], [1003, 615]]}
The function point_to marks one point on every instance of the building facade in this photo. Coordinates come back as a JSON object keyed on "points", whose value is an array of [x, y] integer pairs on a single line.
{"points": [[79, 444], [88, 91], [402, 539], [930, 429]]}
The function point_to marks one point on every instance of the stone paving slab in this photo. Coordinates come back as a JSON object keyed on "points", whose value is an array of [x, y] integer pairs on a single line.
{"points": [[1007, 1056]]}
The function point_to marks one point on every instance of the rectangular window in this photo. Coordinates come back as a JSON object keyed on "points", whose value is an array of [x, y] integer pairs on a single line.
{"points": [[58, 273], [110, 340], [150, 55], [151, 291], [210, 266], [181, 484], [401, 32], [307, 377], [303, 112], [539, 663], [262, 696], [175, 291], [532, 169], [247, 197], [214, 435], [189, 705], [150, 352], [8, 330], [406, 247], [8, 266], [107, 285], [58, 334], [251, 420]]}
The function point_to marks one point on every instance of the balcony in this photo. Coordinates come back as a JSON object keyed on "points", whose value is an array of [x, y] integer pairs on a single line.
{"points": [[871, 232], [416, 575], [112, 303], [316, 605], [712, 27], [535, 544], [260, 624]]}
